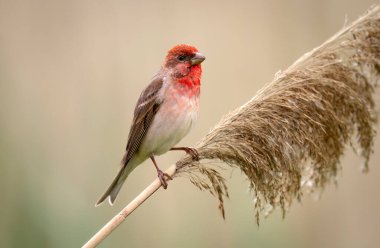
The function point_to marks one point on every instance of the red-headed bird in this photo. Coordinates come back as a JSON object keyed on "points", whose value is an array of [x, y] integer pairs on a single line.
{"points": [[164, 114]]}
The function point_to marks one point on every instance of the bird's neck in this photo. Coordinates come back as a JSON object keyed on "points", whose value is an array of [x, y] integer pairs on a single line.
{"points": [[188, 83], [193, 77]]}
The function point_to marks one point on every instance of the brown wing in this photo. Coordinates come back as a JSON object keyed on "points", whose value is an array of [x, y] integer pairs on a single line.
{"points": [[145, 110]]}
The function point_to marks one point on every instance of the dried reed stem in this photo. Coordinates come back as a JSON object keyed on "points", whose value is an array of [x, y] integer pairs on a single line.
{"points": [[123, 214], [289, 138]]}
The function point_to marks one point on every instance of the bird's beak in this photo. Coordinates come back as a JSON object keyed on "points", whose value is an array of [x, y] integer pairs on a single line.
{"points": [[197, 59]]}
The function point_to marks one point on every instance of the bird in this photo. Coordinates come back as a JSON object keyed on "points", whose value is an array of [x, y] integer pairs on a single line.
{"points": [[165, 113]]}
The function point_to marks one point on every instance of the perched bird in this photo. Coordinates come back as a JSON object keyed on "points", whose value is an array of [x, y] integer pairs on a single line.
{"points": [[164, 114]]}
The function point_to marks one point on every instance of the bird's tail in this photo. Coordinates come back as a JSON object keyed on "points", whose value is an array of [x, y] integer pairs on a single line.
{"points": [[117, 183]]}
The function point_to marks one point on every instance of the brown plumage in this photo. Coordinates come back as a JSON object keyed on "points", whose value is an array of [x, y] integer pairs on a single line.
{"points": [[146, 108]]}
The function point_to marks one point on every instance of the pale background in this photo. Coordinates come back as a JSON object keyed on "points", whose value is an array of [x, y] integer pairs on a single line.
{"points": [[70, 74]]}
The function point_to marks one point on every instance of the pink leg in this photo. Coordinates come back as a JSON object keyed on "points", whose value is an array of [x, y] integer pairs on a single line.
{"points": [[161, 175]]}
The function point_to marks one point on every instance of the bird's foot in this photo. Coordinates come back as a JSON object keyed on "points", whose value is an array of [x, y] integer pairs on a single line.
{"points": [[163, 178], [189, 150], [192, 152]]}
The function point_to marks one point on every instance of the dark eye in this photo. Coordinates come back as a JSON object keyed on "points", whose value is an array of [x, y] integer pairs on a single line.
{"points": [[181, 57]]}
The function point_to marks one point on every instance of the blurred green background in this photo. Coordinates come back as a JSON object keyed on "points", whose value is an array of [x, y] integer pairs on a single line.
{"points": [[70, 74]]}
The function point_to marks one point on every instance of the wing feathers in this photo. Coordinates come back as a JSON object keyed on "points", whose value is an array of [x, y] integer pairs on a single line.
{"points": [[146, 108]]}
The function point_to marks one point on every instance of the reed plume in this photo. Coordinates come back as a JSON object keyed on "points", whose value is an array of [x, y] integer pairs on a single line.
{"points": [[290, 137]]}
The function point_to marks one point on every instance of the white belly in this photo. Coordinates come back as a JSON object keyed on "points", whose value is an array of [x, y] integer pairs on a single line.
{"points": [[172, 122]]}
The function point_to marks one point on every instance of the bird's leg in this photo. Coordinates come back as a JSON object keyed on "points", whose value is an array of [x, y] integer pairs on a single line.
{"points": [[189, 150], [161, 175]]}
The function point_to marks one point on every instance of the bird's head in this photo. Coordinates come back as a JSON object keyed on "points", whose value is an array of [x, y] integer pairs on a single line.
{"points": [[184, 60]]}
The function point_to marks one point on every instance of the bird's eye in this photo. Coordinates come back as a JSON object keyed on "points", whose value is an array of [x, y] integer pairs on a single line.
{"points": [[181, 57]]}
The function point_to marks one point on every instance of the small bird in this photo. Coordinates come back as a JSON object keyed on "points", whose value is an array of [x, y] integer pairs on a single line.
{"points": [[164, 114]]}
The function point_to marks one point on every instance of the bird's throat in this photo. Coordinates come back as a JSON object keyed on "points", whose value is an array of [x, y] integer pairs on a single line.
{"points": [[193, 78]]}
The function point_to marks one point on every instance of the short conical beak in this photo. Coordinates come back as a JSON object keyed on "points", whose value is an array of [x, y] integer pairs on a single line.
{"points": [[197, 59]]}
